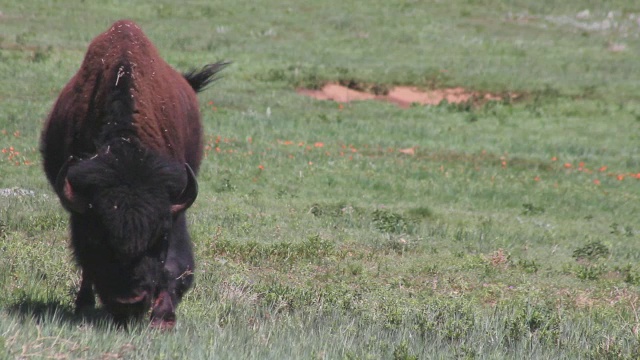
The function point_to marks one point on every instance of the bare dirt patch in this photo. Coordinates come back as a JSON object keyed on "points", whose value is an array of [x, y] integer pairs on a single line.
{"points": [[403, 96]]}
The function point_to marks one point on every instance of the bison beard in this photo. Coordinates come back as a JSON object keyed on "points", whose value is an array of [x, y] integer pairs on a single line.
{"points": [[121, 148]]}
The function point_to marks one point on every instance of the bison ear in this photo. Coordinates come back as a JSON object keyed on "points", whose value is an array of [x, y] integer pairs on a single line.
{"points": [[188, 194], [70, 200]]}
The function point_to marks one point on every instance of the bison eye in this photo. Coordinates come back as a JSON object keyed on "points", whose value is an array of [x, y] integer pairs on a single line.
{"points": [[115, 207]]}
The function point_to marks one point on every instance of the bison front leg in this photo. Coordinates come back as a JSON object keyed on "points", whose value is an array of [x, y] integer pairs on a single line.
{"points": [[163, 313], [85, 300], [177, 276]]}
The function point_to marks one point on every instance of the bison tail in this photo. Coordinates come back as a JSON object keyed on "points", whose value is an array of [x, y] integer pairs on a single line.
{"points": [[199, 79]]}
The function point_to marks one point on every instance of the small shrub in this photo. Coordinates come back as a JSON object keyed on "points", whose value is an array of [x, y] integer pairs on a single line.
{"points": [[226, 185], [3, 230], [42, 55], [617, 229], [355, 268], [539, 320], [590, 260], [466, 352], [377, 89], [316, 247], [316, 210], [389, 222], [333, 210], [529, 266], [399, 246], [589, 271], [591, 252], [629, 275], [402, 352], [456, 107], [530, 209], [451, 320]]}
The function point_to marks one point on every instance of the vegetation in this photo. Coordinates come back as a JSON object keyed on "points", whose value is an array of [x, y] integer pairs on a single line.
{"points": [[508, 231]]}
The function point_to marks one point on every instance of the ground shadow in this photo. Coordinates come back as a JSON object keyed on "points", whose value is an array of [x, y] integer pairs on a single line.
{"points": [[53, 311]]}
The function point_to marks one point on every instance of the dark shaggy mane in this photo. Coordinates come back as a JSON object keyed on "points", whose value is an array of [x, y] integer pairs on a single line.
{"points": [[124, 161], [119, 106], [200, 79]]}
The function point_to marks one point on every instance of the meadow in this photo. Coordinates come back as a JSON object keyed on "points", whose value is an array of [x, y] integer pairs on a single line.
{"points": [[322, 230]]}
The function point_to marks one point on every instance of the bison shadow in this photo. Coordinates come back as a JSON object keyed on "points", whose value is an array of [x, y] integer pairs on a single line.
{"points": [[52, 311]]}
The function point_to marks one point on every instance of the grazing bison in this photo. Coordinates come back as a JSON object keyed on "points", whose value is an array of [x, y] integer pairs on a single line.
{"points": [[121, 148]]}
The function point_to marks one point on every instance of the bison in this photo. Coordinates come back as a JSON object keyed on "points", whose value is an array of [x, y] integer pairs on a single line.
{"points": [[122, 147]]}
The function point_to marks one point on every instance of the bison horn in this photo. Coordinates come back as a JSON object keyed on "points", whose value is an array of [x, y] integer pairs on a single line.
{"points": [[189, 193], [69, 199]]}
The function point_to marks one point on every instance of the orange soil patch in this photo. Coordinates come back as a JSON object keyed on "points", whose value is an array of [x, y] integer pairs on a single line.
{"points": [[402, 96], [337, 93]]}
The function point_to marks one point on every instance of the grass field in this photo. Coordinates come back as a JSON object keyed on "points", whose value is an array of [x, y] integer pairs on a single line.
{"points": [[510, 232]]}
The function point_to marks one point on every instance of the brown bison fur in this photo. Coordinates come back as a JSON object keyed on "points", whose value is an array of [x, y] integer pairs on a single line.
{"points": [[121, 148]]}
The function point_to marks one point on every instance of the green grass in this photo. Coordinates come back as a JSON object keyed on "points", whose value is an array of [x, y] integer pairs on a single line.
{"points": [[510, 233]]}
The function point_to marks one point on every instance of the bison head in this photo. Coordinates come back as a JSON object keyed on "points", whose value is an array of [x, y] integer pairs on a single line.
{"points": [[127, 192]]}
